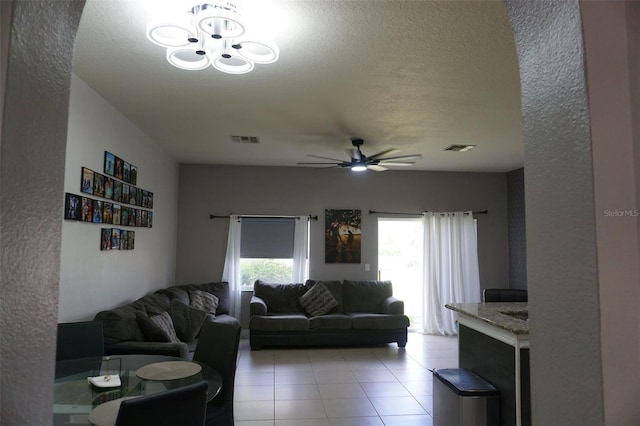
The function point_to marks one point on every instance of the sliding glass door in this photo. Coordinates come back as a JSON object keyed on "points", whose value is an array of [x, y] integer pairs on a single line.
{"points": [[400, 261]]}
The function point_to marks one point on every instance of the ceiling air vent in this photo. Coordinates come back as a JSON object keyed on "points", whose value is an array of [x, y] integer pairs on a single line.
{"points": [[245, 139], [460, 148]]}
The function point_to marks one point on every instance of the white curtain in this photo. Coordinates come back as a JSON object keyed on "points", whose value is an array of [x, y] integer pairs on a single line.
{"points": [[231, 272], [300, 272], [450, 268]]}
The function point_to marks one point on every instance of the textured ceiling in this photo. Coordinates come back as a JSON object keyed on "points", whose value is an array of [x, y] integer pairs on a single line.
{"points": [[413, 75]]}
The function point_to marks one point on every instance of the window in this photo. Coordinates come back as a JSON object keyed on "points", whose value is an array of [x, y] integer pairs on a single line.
{"points": [[267, 250]]}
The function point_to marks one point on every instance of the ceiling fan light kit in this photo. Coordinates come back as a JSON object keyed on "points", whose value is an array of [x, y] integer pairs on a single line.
{"points": [[359, 162], [212, 34]]}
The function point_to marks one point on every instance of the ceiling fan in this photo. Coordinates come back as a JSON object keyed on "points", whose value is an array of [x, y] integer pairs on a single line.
{"points": [[359, 162]]}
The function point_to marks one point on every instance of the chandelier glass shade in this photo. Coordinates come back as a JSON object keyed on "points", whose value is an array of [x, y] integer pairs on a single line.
{"points": [[212, 34]]}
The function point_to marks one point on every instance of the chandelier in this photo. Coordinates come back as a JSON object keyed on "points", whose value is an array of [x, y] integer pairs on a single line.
{"points": [[212, 33]]}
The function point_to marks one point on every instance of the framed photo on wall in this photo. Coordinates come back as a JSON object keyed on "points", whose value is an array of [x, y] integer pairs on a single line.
{"points": [[108, 187], [124, 219], [134, 175], [117, 191], [119, 168], [105, 239], [86, 181], [97, 211], [109, 163], [132, 239], [107, 212], [72, 206], [98, 184], [115, 239], [87, 209], [126, 172], [132, 216], [117, 214], [343, 236], [124, 239]]}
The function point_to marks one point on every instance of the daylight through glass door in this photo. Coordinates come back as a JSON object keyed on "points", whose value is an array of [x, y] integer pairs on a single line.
{"points": [[400, 261]]}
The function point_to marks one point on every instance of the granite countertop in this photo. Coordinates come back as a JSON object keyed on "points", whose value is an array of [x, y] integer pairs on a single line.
{"points": [[508, 316]]}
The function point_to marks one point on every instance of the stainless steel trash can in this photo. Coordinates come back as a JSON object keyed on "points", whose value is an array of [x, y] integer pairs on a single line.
{"points": [[462, 398]]}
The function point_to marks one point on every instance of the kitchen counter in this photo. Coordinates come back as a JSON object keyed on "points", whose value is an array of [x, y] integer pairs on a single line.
{"points": [[493, 340], [511, 317]]}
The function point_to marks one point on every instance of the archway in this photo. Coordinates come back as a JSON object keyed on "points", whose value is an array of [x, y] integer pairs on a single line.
{"points": [[561, 252]]}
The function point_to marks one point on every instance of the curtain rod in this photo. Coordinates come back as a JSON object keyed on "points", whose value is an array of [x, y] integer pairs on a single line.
{"points": [[213, 216], [420, 214]]}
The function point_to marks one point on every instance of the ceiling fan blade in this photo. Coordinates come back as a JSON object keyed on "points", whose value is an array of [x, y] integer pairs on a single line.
{"points": [[325, 158], [397, 163], [335, 164], [376, 167], [386, 152], [402, 157]]}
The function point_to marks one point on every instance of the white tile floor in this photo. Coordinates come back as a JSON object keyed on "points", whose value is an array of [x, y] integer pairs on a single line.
{"points": [[363, 386]]}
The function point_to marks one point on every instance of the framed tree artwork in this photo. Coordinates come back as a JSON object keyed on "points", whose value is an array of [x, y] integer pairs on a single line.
{"points": [[343, 236]]}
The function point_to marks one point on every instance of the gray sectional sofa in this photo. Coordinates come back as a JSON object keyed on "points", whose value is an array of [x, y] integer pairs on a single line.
{"points": [[129, 329], [355, 313]]}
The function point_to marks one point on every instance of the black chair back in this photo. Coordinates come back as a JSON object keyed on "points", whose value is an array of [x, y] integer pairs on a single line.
{"points": [[184, 406], [218, 348], [79, 340], [505, 295]]}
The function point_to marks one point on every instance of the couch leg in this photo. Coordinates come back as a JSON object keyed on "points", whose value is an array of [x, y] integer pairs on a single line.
{"points": [[402, 343]]}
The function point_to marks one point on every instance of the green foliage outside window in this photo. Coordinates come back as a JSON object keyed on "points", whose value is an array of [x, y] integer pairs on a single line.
{"points": [[268, 270]]}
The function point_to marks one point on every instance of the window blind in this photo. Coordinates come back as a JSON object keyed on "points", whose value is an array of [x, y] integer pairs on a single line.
{"points": [[267, 238]]}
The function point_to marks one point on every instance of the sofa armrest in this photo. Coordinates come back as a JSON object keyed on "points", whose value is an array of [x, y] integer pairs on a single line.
{"points": [[179, 349], [392, 305], [258, 307]]}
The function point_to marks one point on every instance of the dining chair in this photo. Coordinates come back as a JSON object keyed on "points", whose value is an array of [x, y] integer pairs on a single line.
{"points": [[184, 406], [79, 340], [505, 295], [218, 348]]}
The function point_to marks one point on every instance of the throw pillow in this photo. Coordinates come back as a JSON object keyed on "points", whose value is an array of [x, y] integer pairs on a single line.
{"points": [[164, 322], [186, 320], [318, 300], [203, 300], [152, 333]]}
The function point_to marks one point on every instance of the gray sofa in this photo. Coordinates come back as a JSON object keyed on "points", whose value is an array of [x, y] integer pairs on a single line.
{"points": [[366, 313], [128, 329]]}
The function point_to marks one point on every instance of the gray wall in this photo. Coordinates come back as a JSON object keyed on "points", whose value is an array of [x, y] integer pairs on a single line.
{"points": [[517, 229], [116, 277], [221, 190]]}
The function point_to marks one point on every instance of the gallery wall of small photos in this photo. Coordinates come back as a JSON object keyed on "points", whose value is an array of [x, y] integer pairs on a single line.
{"points": [[112, 198]]}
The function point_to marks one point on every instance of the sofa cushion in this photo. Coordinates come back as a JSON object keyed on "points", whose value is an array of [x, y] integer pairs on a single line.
{"points": [[164, 322], [219, 289], [365, 296], [119, 325], [331, 321], [186, 320], [152, 332], [152, 304], [280, 298], [378, 321], [317, 300], [335, 287], [292, 322], [203, 300]]}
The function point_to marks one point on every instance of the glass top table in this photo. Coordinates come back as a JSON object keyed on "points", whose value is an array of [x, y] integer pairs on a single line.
{"points": [[75, 397]]}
